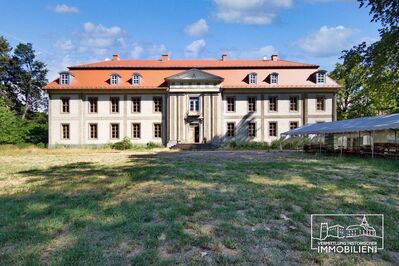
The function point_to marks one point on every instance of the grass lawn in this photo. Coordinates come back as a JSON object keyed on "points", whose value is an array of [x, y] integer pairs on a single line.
{"points": [[250, 208]]}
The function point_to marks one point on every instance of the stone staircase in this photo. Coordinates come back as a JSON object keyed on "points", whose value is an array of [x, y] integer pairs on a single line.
{"points": [[194, 147]]}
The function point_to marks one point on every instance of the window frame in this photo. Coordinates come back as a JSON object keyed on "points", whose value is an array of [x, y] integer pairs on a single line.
{"points": [[65, 78], [275, 129], [229, 133], [112, 105], [112, 131], [68, 106], [323, 103], [90, 131], [68, 126], [90, 99], [136, 135], [196, 103], [321, 78], [275, 104], [138, 99], [136, 77], [155, 104], [233, 98], [252, 78], [114, 78], [155, 125], [295, 104], [250, 130], [253, 104], [274, 78], [294, 122]]}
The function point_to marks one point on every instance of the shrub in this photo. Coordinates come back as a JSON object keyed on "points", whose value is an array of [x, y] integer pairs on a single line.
{"points": [[153, 145], [124, 144]]}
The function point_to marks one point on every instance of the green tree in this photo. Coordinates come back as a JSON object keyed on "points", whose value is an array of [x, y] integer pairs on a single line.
{"points": [[380, 60], [12, 130], [27, 77], [5, 49]]}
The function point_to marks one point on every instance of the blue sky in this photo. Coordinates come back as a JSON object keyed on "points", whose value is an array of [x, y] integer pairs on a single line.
{"points": [[71, 32]]}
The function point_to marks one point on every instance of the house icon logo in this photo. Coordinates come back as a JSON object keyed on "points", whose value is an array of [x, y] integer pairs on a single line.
{"points": [[347, 233]]}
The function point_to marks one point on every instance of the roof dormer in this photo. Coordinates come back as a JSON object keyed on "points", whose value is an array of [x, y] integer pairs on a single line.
{"points": [[273, 78], [252, 78], [321, 77], [114, 79], [136, 79], [65, 78]]}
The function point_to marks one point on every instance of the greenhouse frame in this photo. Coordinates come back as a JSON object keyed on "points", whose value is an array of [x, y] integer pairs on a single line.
{"points": [[368, 136]]}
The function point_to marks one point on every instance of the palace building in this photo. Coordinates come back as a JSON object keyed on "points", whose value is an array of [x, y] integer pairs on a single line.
{"points": [[186, 101]]}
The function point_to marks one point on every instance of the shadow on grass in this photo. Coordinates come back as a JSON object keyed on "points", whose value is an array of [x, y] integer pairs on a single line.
{"points": [[155, 208]]}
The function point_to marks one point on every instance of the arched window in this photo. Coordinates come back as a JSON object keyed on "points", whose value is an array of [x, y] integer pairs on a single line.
{"points": [[136, 79], [114, 79], [321, 77], [252, 78], [274, 78]]}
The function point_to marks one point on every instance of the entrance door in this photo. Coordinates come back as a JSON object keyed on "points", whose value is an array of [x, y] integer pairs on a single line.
{"points": [[196, 134]]}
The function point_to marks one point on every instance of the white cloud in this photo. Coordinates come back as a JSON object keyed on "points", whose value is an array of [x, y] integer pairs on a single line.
{"points": [[326, 41], [63, 8], [100, 37], [257, 12], [259, 53], [147, 50], [195, 48], [65, 45], [198, 28]]}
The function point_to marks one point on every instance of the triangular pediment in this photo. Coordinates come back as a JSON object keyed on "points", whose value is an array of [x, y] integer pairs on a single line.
{"points": [[194, 74]]}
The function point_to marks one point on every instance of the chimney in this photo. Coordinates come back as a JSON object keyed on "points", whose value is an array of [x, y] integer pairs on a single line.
{"points": [[274, 57], [165, 57], [224, 57], [115, 57]]}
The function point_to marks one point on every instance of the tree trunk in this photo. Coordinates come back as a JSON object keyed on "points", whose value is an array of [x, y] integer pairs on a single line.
{"points": [[26, 108]]}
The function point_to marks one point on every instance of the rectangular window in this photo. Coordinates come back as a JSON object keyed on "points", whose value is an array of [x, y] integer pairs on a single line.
{"points": [[251, 104], [293, 125], [114, 80], [157, 104], [231, 104], [273, 78], [273, 129], [293, 103], [136, 130], [93, 131], [114, 105], [273, 104], [157, 130], [320, 103], [320, 78], [194, 104], [231, 128], [65, 131], [115, 131], [136, 104], [93, 105], [64, 79], [252, 78], [251, 130], [65, 105]]}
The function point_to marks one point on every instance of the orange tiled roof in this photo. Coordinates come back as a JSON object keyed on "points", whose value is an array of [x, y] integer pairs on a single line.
{"points": [[153, 73], [194, 64]]}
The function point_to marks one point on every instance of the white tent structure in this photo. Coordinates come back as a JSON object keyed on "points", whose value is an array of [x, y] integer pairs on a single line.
{"points": [[374, 128]]}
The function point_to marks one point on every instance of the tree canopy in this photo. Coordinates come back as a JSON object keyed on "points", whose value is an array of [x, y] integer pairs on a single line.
{"points": [[370, 73]]}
